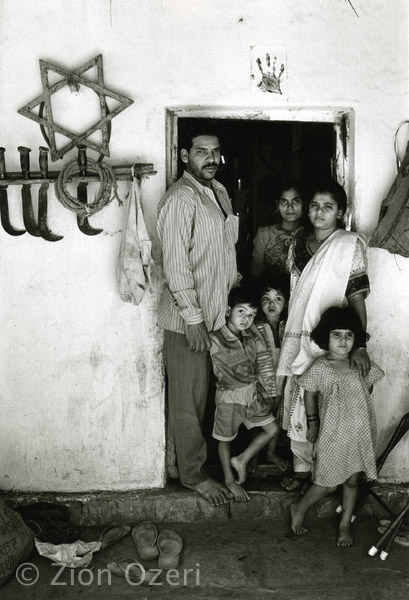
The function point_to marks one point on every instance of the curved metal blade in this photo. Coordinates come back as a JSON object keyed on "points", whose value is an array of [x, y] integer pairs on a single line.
{"points": [[85, 227], [83, 224], [45, 233], [5, 217], [28, 212]]}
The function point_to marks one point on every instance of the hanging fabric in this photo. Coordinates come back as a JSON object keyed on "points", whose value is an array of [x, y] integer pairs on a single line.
{"points": [[392, 231], [135, 259]]}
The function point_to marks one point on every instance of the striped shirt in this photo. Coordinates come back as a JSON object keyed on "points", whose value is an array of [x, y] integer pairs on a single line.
{"points": [[199, 256]]}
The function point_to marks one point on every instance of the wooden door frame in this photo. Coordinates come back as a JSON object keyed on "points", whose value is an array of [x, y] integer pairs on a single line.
{"points": [[341, 117]]}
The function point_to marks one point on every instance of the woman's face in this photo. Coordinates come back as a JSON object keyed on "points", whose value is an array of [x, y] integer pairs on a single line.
{"points": [[290, 205], [323, 212]]}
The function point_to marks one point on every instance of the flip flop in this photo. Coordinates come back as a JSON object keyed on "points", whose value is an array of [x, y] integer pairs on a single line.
{"points": [[145, 536], [170, 546], [110, 535], [132, 570], [386, 522], [402, 540], [301, 484]]}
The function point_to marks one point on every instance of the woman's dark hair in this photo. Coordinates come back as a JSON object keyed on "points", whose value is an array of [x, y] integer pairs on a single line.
{"points": [[193, 128], [293, 184], [290, 184], [333, 189], [338, 318]]}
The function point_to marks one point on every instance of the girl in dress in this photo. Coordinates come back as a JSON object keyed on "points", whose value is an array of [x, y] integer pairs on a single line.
{"points": [[340, 418]]}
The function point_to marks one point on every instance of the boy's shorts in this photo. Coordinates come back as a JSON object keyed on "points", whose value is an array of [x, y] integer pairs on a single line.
{"points": [[236, 407]]}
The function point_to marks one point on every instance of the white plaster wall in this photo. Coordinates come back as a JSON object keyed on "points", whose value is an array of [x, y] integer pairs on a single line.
{"points": [[81, 375]]}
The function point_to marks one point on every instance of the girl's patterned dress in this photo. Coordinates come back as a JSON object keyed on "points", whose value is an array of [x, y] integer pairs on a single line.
{"points": [[347, 433]]}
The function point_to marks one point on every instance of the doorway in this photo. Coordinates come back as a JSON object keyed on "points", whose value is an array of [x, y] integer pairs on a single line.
{"points": [[258, 156], [261, 149]]}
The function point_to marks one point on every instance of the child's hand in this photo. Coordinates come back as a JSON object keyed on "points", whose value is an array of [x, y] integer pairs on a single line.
{"points": [[313, 428], [276, 403]]}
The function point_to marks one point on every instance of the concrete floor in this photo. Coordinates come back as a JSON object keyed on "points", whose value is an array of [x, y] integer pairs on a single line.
{"points": [[238, 559]]}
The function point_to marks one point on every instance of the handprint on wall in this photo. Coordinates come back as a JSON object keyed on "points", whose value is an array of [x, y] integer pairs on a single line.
{"points": [[270, 81]]}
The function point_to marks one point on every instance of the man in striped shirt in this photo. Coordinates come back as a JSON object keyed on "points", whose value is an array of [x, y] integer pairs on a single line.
{"points": [[198, 233]]}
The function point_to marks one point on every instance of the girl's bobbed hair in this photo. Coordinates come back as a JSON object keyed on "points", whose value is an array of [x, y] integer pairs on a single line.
{"points": [[338, 318]]}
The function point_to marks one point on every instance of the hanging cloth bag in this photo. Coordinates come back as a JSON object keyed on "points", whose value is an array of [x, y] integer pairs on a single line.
{"points": [[135, 259], [392, 231]]}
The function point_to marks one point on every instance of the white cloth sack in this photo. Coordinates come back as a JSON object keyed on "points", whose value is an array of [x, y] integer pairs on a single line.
{"points": [[78, 554], [135, 259]]}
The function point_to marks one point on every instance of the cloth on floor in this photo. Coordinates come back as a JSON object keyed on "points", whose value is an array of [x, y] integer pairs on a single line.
{"points": [[78, 554]]}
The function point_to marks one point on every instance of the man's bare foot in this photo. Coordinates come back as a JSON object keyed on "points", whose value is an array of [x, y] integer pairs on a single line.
{"points": [[276, 460], [297, 519], [240, 467], [345, 537], [212, 491], [239, 494]]}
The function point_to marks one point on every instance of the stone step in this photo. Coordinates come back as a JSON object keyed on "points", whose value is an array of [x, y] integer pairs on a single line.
{"points": [[175, 503]]}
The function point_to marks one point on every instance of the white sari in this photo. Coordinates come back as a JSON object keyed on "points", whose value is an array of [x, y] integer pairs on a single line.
{"points": [[322, 284]]}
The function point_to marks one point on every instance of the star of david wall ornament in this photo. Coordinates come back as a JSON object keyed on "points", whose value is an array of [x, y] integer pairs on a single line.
{"points": [[74, 80]]}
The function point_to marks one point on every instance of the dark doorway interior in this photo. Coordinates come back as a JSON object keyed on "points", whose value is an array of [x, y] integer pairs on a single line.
{"points": [[258, 156]]}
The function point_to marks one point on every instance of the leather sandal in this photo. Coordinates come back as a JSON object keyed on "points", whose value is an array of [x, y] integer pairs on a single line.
{"points": [[113, 534], [170, 546], [295, 483], [131, 570], [145, 536]]}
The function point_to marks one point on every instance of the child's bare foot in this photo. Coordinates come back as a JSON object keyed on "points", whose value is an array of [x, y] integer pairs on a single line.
{"points": [[297, 519], [239, 494], [276, 460], [345, 537], [240, 467], [252, 465]]}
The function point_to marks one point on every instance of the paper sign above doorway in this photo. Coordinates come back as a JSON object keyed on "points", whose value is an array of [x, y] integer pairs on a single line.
{"points": [[268, 72]]}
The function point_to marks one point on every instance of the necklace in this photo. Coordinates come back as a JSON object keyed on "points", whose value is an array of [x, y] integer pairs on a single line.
{"points": [[313, 244], [312, 238]]}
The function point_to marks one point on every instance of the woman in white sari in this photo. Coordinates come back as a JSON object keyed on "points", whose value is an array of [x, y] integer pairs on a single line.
{"points": [[328, 268]]}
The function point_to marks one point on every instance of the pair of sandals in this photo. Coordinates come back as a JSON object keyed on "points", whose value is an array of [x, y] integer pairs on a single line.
{"points": [[296, 483], [402, 539], [166, 546]]}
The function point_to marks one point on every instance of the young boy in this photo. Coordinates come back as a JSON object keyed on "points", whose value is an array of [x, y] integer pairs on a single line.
{"points": [[274, 296], [238, 401]]}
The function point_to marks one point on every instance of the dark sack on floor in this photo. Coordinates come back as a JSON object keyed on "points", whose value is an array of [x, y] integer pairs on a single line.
{"points": [[392, 231], [16, 541]]}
